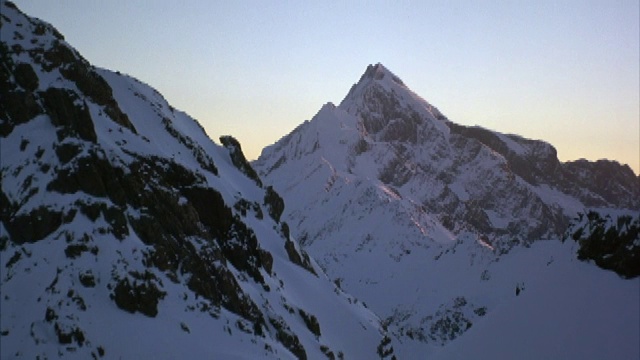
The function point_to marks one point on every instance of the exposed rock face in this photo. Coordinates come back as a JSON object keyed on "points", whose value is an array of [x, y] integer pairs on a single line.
{"points": [[613, 243], [48, 52], [274, 204], [614, 184], [122, 215], [238, 159]]}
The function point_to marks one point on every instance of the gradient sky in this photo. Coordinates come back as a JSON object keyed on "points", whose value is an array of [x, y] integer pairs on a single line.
{"points": [[567, 72]]}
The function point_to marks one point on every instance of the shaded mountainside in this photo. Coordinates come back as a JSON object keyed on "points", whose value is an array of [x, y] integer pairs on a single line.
{"points": [[126, 232], [385, 178]]}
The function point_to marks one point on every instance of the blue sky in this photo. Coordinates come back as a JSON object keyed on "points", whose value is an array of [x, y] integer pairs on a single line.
{"points": [[562, 71]]}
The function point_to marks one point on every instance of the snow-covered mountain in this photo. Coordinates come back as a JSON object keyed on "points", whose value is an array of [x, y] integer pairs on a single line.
{"points": [[438, 226], [127, 233]]}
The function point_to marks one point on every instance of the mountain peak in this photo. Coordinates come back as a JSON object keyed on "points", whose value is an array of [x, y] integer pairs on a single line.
{"points": [[379, 72], [381, 92], [374, 76]]}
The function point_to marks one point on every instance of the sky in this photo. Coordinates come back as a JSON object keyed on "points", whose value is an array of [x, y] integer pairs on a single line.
{"points": [[567, 72]]}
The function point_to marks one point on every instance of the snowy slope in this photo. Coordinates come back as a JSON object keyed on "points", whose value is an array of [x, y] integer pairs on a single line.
{"points": [[127, 233], [414, 214], [570, 310]]}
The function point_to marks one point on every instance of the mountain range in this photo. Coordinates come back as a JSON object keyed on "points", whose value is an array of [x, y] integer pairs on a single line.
{"points": [[378, 229], [415, 214]]}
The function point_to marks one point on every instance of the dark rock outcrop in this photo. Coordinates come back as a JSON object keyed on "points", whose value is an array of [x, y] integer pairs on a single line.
{"points": [[238, 159], [613, 244]]}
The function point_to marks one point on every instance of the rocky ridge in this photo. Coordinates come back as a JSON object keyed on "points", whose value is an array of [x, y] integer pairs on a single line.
{"points": [[126, 232]]}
